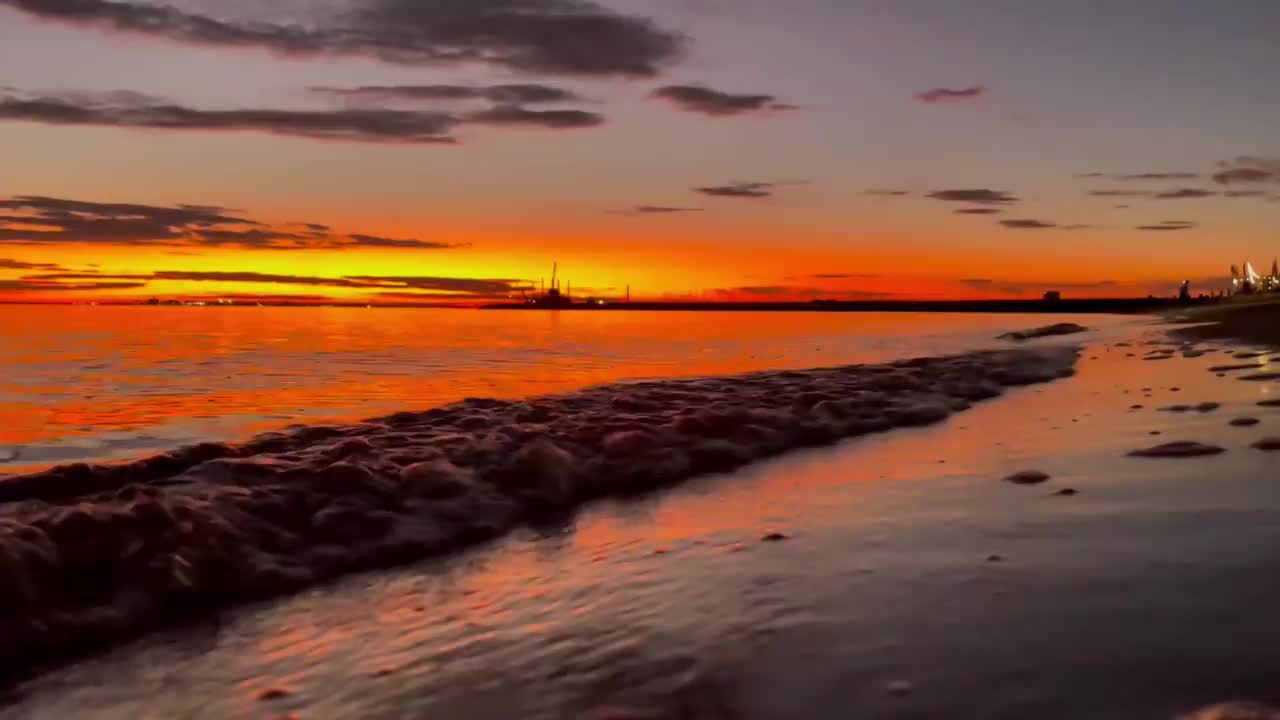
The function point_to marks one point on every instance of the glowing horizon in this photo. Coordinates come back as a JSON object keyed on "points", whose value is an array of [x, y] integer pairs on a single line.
{"points": [[875, 153]]}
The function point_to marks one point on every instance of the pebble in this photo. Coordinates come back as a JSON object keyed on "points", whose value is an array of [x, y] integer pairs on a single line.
{"points": [[1262, 377], [1270, 443], [1245, 422], [1067, 492], [1178, 450], [1269, 403], [995, 558], [273, 694], [775, 537], [1229, 368], [1027, 477]]}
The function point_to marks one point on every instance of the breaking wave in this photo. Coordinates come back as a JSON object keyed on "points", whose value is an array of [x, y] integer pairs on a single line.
{"points": [[92, 555]]}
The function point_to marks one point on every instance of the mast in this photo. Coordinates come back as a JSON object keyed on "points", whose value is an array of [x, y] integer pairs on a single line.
{"points": [[555, 269]]}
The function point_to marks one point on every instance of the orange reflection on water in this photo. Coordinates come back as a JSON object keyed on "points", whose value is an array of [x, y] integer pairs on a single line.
{"points": [[82, 382]]}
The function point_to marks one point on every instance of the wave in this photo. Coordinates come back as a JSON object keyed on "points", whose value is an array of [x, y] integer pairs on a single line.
{"points": [[93, 555]]}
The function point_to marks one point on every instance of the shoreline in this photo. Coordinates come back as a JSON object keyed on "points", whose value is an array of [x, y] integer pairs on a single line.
{"points": [[1256, 321], [178, 535], [1086, 306], [904, 554]]}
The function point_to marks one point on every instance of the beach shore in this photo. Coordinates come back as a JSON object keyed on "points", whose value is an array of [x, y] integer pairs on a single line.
{"points": [[98, 554], [1254, 320], [902, 575]]}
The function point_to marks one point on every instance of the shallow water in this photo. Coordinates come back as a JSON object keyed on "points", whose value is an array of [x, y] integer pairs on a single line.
{"points": [[1149, 594], [92, 383]]}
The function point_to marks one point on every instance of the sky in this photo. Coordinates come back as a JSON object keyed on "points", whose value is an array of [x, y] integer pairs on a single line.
{"points": [[452, 150]]}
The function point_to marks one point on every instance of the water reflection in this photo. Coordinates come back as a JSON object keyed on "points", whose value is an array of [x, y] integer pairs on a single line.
{"points": [[98, 382]]}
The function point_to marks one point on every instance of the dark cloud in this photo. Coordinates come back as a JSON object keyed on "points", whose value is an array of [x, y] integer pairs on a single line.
{"points": [[445, 284], [572, 37], [1142, 176], [373, 241], [980, 196], [887, 192], [63, 277], [781, 293], [1158, 176], [516, 94], [42, 286], [739, 190], [1248, 169], [552, 119], [948, 95], [10, 264], [1027, 224], [704, 100], [266, 278], [1077, 227], [845, 276], [52, 220], [979, 211], [655, 210], [1032, 286], [1119, 193], [1184, 194], [349, 124], [443, 287], [32, 220], [1244, 193], [1167, 226]]}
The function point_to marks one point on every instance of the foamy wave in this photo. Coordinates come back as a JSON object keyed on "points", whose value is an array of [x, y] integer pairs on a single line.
{"points": [[93, 554]]}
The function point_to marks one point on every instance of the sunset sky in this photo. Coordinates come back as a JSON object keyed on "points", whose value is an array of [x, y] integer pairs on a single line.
{"points": [[426, 150]]}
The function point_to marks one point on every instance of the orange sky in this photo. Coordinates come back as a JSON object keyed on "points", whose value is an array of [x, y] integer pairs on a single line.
{"points": [[869, 152]]}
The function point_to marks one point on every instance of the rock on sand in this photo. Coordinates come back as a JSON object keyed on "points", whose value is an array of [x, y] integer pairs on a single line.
{"points": [[1178, 450], [1027, 477], [1046, 331]]}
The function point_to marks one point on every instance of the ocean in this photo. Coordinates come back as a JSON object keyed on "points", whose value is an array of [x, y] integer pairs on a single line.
{"points": [[97, 383]]}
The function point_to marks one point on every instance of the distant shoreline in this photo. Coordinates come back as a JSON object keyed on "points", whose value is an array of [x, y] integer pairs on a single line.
{"points": [[1114, 306], [1126, 306]]}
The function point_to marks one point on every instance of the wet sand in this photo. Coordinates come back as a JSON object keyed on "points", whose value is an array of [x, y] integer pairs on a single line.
{"points": [[1255, 321]]}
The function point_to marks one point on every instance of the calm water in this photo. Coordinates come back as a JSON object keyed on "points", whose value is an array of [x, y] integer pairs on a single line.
{"points": [[1151, 593], [92, 383]]}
